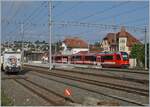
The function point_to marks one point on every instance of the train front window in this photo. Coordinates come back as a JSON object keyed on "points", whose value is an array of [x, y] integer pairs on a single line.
{"points": [[124, 56], [109, 57]]}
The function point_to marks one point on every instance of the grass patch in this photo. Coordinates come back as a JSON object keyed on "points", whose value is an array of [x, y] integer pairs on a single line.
{"points": [[5, 100]]}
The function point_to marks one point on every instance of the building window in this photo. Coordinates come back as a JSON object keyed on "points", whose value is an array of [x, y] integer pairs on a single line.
{"points": [[113, 41], [122, 48], [122, 41], [105, 43]]}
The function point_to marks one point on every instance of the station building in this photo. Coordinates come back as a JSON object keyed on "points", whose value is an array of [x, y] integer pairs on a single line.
{"points": [[120, 41]]}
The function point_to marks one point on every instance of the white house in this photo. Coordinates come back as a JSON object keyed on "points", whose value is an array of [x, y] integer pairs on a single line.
{"points": [[74, 45]]}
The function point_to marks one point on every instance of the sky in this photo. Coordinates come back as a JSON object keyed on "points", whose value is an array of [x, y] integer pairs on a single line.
{"points": [[32, 18]]}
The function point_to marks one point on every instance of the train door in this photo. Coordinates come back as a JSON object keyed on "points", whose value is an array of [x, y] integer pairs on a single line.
{"points": [[118, 60], [89, 59], [77, 59], [64, 59], [80, 59], [98, 60], [108, 61]]}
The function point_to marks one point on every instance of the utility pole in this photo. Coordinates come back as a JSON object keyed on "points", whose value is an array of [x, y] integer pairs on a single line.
{"points": [[22, 44], [145, 48], [50, 31]]}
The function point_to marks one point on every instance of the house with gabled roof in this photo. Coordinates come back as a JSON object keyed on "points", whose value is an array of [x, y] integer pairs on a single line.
{"points": [[74, 45], [121, 41]]}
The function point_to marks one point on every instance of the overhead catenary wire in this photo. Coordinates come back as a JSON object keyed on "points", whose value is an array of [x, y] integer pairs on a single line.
{"points": [[11, 7], [32, 13], [103, 11], [86, 25], [69, 24], [135, 20], [53, 6], [68, 9], [122, 13], [56, 5]]}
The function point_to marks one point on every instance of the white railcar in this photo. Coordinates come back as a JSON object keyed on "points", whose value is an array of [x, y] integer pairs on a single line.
{"points": [[11, 62]]}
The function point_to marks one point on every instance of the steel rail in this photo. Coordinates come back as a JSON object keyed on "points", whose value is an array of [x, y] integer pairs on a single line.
{"points": [[91, 90], [98, 83], [142, 81], [46, 89]]}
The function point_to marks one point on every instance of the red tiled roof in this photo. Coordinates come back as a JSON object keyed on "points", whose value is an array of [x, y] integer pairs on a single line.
{"points": [[75, 43], [110, 38]]}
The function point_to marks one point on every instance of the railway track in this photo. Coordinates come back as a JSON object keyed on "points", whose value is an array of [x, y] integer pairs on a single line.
{"points": [[13, 77], [112, 86], [90, 90], [142, 81], [93, 67], [25, 83], [98, 83], [137, 71]]}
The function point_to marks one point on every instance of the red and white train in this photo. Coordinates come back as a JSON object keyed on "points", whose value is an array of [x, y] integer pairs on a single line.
{"points": [[114, 59]]}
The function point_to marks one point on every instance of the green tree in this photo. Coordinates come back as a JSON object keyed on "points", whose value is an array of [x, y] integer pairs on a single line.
{"points": [[138, 52], [97, 44]]}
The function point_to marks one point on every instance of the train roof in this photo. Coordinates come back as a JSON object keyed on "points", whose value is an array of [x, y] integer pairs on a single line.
{"points": [[111, 52], [12, 52], [85, 53], [59, 55]]}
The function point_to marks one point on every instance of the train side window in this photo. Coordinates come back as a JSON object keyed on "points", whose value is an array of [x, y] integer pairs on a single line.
{"points": [[73, 58], [118, 57], [77, 58], [90, 58]]}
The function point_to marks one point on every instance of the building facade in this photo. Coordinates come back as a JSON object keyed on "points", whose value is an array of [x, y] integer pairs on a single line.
{"points": [[121, 41], [73, 46]]}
